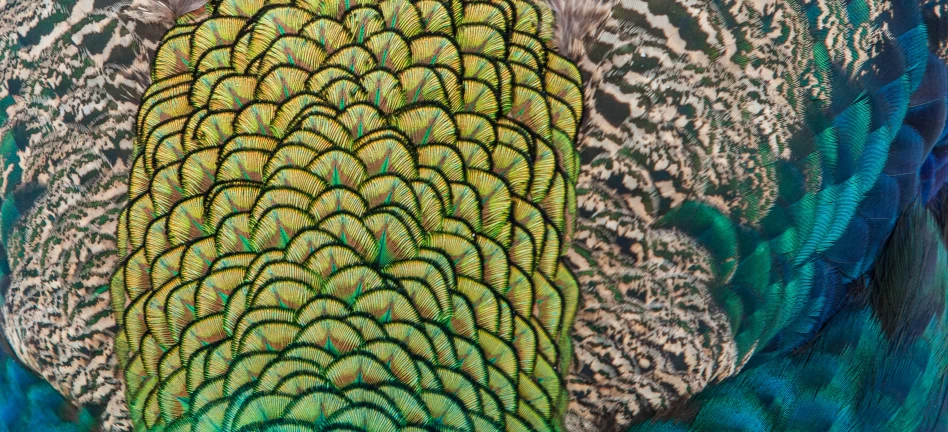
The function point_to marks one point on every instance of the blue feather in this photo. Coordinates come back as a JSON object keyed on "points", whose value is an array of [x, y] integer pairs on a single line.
{"points": [[28, 403], [881, 363]]}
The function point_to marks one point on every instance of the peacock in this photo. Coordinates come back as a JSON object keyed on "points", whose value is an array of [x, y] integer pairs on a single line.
{"points": [[466, 215], [351, 215]]}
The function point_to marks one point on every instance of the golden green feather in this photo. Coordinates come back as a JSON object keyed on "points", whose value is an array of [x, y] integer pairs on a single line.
{"points": [[352, 215]]}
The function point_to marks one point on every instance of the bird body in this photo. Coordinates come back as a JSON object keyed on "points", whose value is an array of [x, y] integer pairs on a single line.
{"points": [[477, 215], [351, 215], [832, 114]]}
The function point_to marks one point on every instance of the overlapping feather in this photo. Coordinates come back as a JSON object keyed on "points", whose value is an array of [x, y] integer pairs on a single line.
{"points": [[333, 221]]}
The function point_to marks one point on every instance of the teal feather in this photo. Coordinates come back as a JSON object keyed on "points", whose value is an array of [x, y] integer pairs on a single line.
{"points": [[8, 216], [775, 311], [27, 403], [834, 291], [870, 141], [880, 364]]}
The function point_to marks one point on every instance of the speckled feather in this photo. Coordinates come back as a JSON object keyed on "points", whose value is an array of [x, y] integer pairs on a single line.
{"points": [[700, 117], [692, 108], [72, 73]]}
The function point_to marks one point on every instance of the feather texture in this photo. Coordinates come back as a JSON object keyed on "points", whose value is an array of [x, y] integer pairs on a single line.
{"points": [[360, 215], [165, 12], [354, 216], [697, 262], [27, 402], [70, 87], [878, 364]]}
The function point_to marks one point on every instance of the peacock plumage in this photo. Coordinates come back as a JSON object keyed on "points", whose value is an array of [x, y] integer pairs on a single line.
{"points": [[27, 402], [860, 104], [521, 215], [351, 214]]}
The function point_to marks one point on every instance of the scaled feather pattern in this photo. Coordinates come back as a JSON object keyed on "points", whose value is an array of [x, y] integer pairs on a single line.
{"points": [[521, 215], [351, 215]]}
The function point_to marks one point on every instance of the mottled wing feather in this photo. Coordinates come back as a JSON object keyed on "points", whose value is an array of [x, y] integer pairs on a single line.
{"points": [[71, 73]]}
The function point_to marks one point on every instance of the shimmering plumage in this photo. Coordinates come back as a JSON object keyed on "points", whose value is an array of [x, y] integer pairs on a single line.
{"points": [[71, 80], [762, 153], [367, 215], [351, 213]]}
